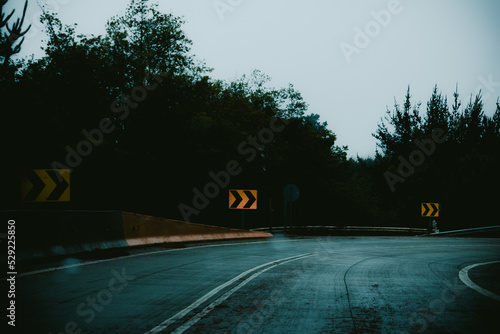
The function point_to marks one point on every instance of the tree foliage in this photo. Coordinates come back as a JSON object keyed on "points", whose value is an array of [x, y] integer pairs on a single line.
{"points": [[11, 39], [144, 128], [171, 124], [461, 171]]}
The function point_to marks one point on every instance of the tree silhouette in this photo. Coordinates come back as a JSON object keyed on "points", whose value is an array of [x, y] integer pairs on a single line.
{"points": [[12, 39], [459, 171], [186, 127]]}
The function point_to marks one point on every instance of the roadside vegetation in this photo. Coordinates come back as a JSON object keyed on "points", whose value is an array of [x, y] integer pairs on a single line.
{"points": [[141, 123]]}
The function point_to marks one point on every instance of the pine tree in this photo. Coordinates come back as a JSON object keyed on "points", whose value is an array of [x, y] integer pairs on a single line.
{"points": [[406, 124], [438, 115]]}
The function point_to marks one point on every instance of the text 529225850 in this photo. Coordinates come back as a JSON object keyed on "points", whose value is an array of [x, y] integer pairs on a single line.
{"points": [[11, 272]]}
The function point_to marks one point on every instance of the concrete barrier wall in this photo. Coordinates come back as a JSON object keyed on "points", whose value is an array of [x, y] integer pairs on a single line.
{"points": [[48, 233], [142, 230]]}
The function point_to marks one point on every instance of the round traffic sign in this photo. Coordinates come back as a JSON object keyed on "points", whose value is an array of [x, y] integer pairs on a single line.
{"points": [[291, 193]]}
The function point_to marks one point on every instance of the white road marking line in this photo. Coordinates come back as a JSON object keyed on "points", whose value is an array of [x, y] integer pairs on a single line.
{"points": [[201, 300], [464, 276], [181, 329], [41, 271], [35, 272]]}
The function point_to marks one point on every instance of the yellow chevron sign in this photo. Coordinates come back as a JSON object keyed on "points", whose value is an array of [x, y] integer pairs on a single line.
{"points": [[243, 199], [46, 185], [430, 209]]}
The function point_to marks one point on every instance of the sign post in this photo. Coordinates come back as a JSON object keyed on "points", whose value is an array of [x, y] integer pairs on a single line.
{"points": [[430, 210], [291, 193], [271, 211], [243, 200]]}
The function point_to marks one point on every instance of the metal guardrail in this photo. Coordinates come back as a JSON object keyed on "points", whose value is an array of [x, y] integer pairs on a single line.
{"points": [[467, 231], [392, 229]]}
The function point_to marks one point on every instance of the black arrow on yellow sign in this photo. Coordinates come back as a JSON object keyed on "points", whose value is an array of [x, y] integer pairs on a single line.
{"points": [[46, 185], [37, 188], [243, 199], [430, 210]]}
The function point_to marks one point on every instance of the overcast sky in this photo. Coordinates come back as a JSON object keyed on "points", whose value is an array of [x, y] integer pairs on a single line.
{"points": [[349, 59]]}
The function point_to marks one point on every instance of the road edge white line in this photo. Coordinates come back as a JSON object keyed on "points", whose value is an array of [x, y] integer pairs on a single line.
{"points": [[41, 271], [181, 329], [464, 277], [179, 315]]}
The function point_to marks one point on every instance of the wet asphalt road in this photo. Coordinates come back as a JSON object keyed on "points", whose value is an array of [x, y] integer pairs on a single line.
{"points": [[282, 285]]}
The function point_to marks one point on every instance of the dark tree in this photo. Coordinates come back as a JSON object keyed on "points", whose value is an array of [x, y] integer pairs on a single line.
{"points": [[11, 35], [169, 140], [460, 171]]}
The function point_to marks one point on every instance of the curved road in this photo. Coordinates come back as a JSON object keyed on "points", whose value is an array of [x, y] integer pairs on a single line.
{"points": [[283, 285]]}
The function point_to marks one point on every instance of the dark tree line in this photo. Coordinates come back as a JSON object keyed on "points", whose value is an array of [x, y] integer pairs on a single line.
{"points": [[144, 128], [166, 125], [450, 155]]}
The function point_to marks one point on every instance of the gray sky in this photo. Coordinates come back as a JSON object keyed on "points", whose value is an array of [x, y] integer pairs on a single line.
{"points": [[349, 59]]}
